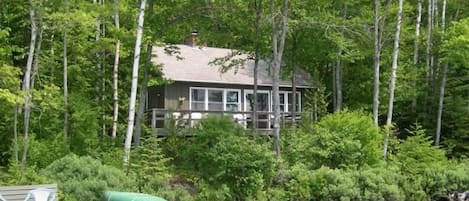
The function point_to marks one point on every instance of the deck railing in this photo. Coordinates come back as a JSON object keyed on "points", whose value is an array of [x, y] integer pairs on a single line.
{"points": [[187, 118]]}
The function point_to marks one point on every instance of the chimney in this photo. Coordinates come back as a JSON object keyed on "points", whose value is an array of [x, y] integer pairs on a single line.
{"points": [[192, 39]]}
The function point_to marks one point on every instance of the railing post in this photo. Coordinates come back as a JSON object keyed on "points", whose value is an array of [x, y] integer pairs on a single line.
{"points": [[153, 118], [190, 118]]}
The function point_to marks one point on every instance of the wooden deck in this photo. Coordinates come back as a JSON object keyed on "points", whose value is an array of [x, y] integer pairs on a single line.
{"points": [[19, 193], [161, 119]]}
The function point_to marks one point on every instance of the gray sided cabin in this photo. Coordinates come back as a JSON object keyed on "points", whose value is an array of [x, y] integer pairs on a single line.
{"points": [[199, 88]]}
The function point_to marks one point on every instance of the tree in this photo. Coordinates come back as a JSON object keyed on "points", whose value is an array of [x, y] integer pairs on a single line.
{"points": [[277, 62], [26, 83], [133, 92], [443, 84], [115, 72], [392, 83], [416, 50]]}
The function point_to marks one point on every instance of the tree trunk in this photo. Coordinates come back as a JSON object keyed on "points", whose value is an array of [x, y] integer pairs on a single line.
{"points": [[65, 81], [293, 84], [416, 53], [116, 72], [376, 60], [338, 71], [443, 84], [133, 92], [392, 83], [37, 52], [26, 84], [142, 98], [277, 62], [334, 86], [338, 82], [258, 7], [15, 133], [428, 62]]}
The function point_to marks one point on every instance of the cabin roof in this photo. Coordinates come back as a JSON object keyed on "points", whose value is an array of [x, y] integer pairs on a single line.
{"points": [[194, 64]]}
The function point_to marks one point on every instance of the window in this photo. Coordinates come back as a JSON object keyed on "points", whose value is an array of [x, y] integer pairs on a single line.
{"points": [[232, 100], [198, 99], [286, 100], [214, 99], [290, 101]]}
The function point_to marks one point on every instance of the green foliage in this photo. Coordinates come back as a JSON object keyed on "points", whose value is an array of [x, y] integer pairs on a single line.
{"points": [[42, 152], [341, 139], [417, 153], [150, 165], [221, 154], [84, 178], [15, 176]]}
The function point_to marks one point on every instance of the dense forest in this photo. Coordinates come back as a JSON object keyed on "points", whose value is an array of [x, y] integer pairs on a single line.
{"points": [[391, 99]]}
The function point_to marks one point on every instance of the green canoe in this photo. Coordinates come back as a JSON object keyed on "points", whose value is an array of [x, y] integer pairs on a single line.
{"points": [[126, 196]]}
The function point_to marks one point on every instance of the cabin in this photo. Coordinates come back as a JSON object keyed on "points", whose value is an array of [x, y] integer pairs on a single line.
{"points": [[217, 81]]}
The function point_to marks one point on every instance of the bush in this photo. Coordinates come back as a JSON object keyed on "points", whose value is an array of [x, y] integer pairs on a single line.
{"points": [[83, 178], [339, 140], [221, 154]]}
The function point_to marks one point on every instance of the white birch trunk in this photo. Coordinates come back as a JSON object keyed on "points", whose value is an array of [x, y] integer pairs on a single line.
{"points": [[443, 84], [65, 82], [15, 133], [133, 91], [35, 70], [26, 84], [428, 62], [115, 73], [416, 52], [376, 60], [277, 62], [392, 83]]}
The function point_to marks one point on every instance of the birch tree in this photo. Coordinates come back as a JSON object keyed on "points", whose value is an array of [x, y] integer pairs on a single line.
{"points": [[115, 72], [26, 84], [416, 50], [133, 90], [278, 45], [65, 74], [376, 60], [443, 83], [392, 83]]}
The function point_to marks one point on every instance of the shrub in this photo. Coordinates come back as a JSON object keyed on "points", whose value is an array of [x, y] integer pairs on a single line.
{"points": [[83, 178], [221, 154], [339, 140]]}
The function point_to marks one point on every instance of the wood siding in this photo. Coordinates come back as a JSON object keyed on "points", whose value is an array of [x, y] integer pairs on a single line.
{"points": [[180, 91]]}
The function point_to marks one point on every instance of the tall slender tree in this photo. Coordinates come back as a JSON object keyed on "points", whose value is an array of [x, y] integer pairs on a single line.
{"points": [[392, 83], [443, 83], [133, 90], [65, 73], [278, 45], [26, 83], [376, 60], [416, 52], [115, 72]]}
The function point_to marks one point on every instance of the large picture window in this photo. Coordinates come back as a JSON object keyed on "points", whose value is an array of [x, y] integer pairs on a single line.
{"points": [[215, 99]]}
